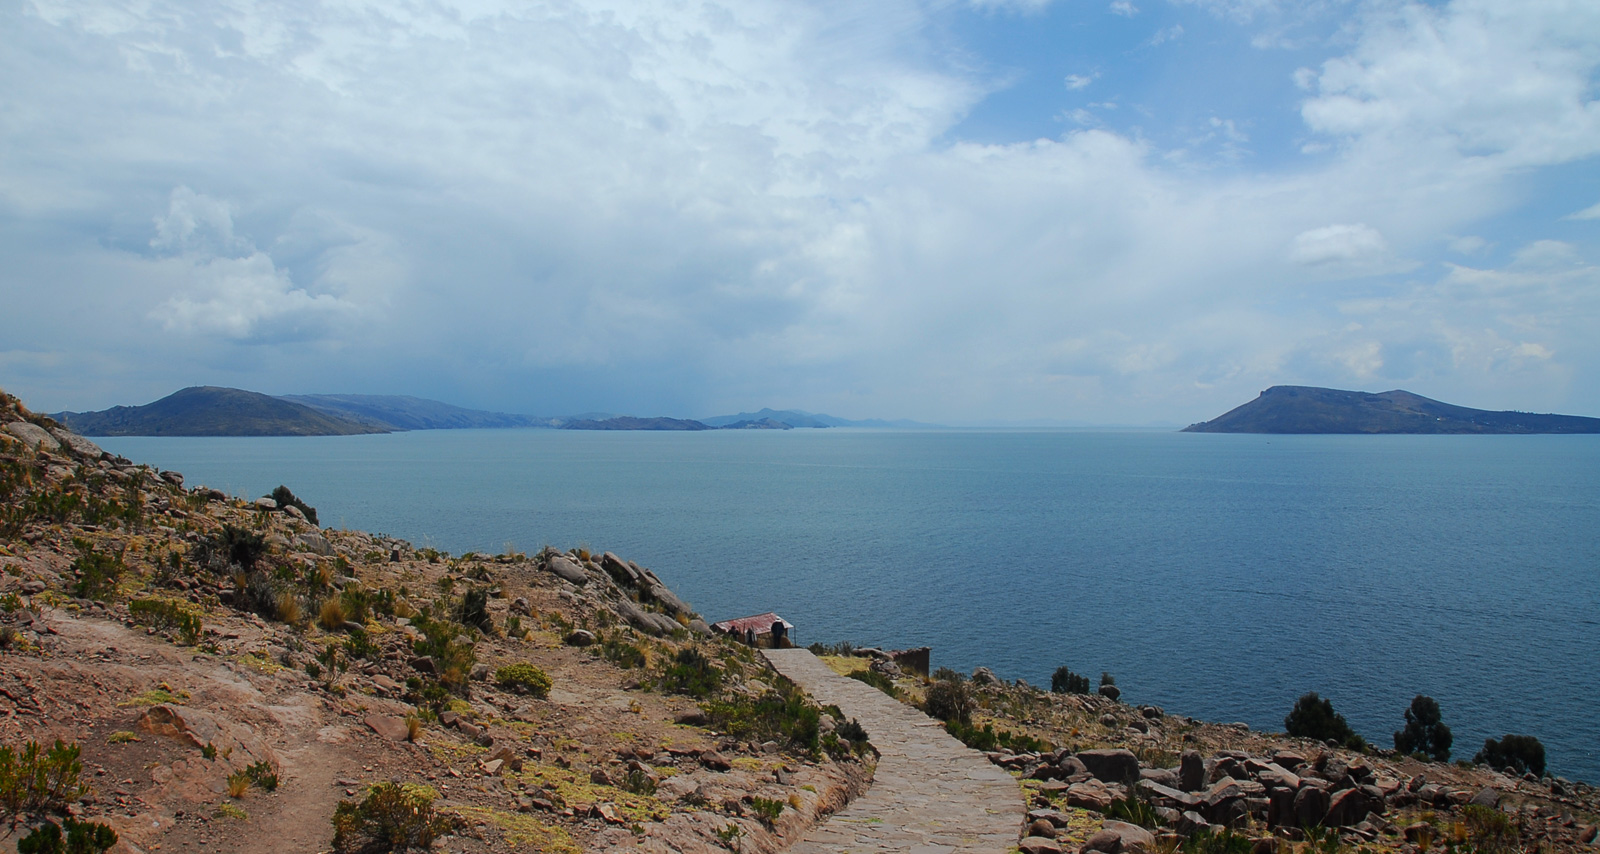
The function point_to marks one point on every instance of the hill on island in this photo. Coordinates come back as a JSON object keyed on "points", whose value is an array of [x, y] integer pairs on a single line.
{"points": [[1306, 409], [404, 412], [628, 422], [801, 419], [214, 411]]}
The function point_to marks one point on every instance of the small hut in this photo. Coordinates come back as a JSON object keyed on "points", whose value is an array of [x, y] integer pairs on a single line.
{"points": [[762, 630]]}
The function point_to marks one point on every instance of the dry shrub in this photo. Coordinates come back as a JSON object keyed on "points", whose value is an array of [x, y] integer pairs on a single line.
{"points": [[332, 615]]}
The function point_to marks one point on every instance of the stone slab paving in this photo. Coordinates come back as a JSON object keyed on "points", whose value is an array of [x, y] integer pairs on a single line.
{"points": [[930, 795]]}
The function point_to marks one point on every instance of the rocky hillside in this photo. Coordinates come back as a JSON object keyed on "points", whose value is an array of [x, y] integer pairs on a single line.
{"points": [[1304, 409], [234, 678], [1103, 775]]}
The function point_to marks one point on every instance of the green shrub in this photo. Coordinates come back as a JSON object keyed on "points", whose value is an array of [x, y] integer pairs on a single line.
{"points": [[986, 738], [1219, 842], [621, 653], [82, 837], [262, 775], [1314, 717], [780, 715], [1425, 731], [97, 572], [359, 645], [1064, 681], [285, 498], [637, 781], [1489, 830], [877, 680], [167, 614], [231, 546], [392, 817], [690, 673], [1134, 811], [767, 810], [524, 679], [453, 655], [949, 701], [34, 780], [1519, 753], [473, 610], [851, 731]]}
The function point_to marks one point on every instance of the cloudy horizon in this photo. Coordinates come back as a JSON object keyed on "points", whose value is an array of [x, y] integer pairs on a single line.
{"points": [[954, 211]]}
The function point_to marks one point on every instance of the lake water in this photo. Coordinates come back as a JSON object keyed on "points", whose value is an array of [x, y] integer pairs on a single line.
{"points": [[1219, 576]]}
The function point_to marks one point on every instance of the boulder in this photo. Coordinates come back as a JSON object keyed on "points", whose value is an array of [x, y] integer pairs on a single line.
{"points": [[1191, 772], [172, 477], [1089, 795], [620, 570], [1489, 797], [1167, 796], [984, 676], [580, 637], [79, 445], [1276, 775], [1111, 766], [567, 569], [1348, 807], [1165, 776], [1310, 806], [699, 627], [521, 607], [264, 503], [314, 543], [389, 726], [1042, 827], [1039, 845], [1131, 835], [33, 435], [1103, 841], [1190, 823], [1110, 692]]}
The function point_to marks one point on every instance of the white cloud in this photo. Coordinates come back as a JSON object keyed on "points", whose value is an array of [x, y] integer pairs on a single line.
{"points": [[1338, 244], [1166, 34], [1591, 212], [1469, 244], [1124, 8], [1080, 81], [1504, 84]]}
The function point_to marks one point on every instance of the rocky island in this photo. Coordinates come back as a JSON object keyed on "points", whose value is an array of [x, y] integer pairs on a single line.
{"points": [[1306, 409], [185, 670]]}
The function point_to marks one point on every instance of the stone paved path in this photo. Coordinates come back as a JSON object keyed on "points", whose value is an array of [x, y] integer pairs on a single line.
{"points": [[930, 795]]}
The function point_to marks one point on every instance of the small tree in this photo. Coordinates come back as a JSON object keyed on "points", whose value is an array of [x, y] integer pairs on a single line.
{"points": [[1064, 681], [949, 701], [1519, 753], [1314, 717], [1425, 731]]}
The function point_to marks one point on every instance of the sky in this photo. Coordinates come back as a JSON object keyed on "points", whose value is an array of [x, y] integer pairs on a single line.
{"points": [[958, 211]]}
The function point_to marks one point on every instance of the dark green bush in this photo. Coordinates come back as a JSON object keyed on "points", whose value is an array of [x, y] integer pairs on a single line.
{"points": [[165, 614], [1107, 679], [1134, 811], [1218, 842], [621, 653], [1064, 681], [690, 673], [97, 572], [523, 678], [230, 547], [1314, 717], [948, 701], [780, 715], [1519, 753], [39, 780], [453, 655], [262, 776], [877, 680], [473, 610], [392, 817], [285, 498], [1425, 731], [82, 837], [987, 738], [767, 810]]}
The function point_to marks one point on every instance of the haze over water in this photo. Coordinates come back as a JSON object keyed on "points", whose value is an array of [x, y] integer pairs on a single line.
{"points": [[1218, 576]]}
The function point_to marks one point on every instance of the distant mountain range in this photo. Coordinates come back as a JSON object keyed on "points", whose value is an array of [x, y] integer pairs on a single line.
{"points": [[797, 418], [403, 412], [216, 411], [1305, 409]]}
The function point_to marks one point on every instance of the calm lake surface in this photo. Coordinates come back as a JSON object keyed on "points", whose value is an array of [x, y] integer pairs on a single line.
{"points": [[1218, 576]]}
